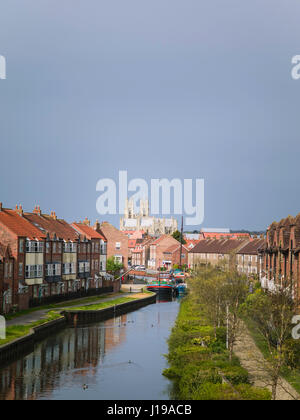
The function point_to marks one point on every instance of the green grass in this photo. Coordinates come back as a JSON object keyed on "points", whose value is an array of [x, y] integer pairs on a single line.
{"points": [[66, 304], [104, 305], [291, 376], [19, 331], [199, 360]]}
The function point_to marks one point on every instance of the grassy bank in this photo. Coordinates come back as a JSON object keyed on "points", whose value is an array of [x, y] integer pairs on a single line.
{"points": [[199, 361], [66, 304], [19, 331], [104, 305]]}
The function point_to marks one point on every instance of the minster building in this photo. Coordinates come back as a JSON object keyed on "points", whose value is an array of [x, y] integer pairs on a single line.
{"points": [[142, 221]]}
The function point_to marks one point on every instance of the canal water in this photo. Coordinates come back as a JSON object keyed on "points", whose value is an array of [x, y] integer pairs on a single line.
{"points": [[120, 359]]}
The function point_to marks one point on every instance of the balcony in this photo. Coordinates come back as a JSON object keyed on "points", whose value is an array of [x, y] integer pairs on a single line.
{"points": [[84, 275], [53, 279]]}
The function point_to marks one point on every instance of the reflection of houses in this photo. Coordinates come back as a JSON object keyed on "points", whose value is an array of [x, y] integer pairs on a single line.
{"points": [[143, 221], [73, 352], [281, 254]]}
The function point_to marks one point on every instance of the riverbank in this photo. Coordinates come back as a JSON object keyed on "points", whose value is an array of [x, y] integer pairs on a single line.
{"points": [[199, 361], [104, 311], [20, 337]]}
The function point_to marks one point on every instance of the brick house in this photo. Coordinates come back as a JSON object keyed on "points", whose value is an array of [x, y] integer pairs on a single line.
{"points": [[141, 253], [27, 245], [60, 254], [281, 261], [157, 251], [214, 251], [172, 256], [249, 259], [95, 251], [117, 243], [6, 279]]}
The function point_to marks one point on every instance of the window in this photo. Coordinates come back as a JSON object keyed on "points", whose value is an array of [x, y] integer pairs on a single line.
{"points": [[20, 269], [34, 247], [21, 246], [69, 247], [84, 267], [118, 245], [53, 270], [47, 247], [10, 270], [33, 271], [54, 247], [69, 268]]}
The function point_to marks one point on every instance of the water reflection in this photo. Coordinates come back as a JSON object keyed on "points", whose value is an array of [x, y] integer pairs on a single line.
{"points": [[117, 359]]}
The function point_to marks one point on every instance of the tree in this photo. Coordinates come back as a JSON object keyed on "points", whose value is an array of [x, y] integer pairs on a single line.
{"points": [[113, 267], [222, 292], [272, 313], [177, 235]]}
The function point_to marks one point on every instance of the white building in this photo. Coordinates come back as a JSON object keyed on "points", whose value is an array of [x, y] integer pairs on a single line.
{"points": [[142, 221]]}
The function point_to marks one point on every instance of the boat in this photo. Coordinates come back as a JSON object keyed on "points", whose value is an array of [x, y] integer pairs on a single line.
{"points": [[161, 287]]}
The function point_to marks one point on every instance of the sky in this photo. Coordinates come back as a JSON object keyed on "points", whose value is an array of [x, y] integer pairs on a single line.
{"points": [[160, 88]]}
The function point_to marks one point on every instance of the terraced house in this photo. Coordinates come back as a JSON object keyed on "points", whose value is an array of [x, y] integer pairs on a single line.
{"points": [[215, 252], [93, 262], [27, 244], [281, 254], [60, 254], [249, 258], [6, 278]]}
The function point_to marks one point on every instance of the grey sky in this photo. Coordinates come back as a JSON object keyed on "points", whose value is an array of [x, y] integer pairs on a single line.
{"points": [[162, 88]]}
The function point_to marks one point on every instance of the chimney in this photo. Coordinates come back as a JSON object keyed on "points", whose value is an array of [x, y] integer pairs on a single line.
{"points": [[97, 225], [19, 210], [53, 215], [1, 206], [87, 222], [37, 210]]}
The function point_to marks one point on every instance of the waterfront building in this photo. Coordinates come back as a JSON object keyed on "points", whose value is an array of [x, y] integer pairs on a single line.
{"points": [[92, 265], [6, 279], [27, 246], [117, 243]]}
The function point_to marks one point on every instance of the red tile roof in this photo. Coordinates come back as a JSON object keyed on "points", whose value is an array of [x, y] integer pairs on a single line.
{"points": [[253, 247], [87, 231], [215, 246], [19, 225], [53, 226]]}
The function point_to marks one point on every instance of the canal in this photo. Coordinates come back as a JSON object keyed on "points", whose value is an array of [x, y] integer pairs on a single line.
{"points": [[120, 359]]}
